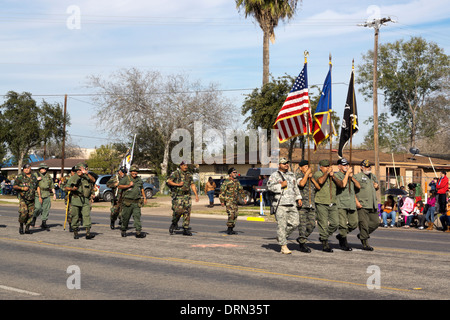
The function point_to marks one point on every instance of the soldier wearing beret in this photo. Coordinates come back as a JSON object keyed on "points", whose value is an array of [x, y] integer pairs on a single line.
{"points": [[26, 184], [325, 199], [133, 198], [80, 189], [366, 203], [307, 212], [287, 198], [346, 202], [181, 182], [230, 190], [42, 201]]}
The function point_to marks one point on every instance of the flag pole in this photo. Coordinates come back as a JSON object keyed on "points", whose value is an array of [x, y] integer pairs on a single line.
{"points": [[353, 122], [308, 130], [331, 125]]}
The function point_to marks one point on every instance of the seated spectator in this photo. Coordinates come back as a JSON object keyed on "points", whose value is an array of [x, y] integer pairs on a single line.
{"points": [[445, 220], [418, 214], [388, 211], [430, 209], [408, 206]]}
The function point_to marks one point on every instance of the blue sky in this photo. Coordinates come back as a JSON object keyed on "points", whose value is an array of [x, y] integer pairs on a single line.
{"points": [[207, 39]]}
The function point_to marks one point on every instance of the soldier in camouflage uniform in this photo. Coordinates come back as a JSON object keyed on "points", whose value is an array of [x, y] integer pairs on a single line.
{"points": [[116, 201], [67, 197], [230, 190], [287, 198], [42, 201], [79, 186], [307, 213], [134, 198], [26, 185], [181, 183]]}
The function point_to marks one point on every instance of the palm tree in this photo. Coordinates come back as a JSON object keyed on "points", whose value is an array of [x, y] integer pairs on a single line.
{"points": [[267, 13]]}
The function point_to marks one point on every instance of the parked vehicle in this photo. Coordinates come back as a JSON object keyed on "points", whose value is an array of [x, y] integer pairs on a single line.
{"points": [[248, 181], [106, 194]]}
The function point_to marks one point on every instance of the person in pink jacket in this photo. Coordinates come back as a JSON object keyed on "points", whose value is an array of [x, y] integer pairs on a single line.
{"points": [[408, 205]]}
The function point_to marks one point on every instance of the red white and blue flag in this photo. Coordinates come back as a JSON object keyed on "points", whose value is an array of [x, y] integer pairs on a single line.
{"points": [[294, 118]]}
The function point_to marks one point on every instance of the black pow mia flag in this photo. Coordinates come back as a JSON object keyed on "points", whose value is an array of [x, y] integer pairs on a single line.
{"points": [[350, 120]]}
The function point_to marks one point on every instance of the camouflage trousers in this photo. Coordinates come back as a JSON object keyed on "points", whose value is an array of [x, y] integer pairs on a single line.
{"points": [[232, 212], [43, 208], [26, 211], [307, 218], [288, 220], [116, 211], [181, 206], [348, 221]]}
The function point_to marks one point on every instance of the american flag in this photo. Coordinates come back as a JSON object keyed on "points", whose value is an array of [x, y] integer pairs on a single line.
{"points": [[294, 118]]}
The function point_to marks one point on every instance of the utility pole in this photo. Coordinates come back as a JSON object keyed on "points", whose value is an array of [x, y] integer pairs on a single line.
{"points": [[63, 155], [376, 24]]}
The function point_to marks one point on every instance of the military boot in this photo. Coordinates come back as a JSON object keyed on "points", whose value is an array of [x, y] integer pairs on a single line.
{"points": [[112, 225], [89, 235], [285, 250], [21, 228], [326, 246], [123, 233], [27, 229], [343, 244], [230, 230], [33, 222], [172, 228], [44, 225], [186, 232], [75, 234], [140, 234], [366, 246]]}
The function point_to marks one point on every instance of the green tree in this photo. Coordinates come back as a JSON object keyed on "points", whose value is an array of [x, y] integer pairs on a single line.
{"points": [[411, 74], [104, 160], [26, 126], [267, 13]]}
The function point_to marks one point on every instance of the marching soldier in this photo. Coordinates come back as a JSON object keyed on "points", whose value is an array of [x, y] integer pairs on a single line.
{"points": [[67, 196], [116, 201], [230, 189], [26, 184], [366, 203], [307, 212], [133, 194], [42, 201], [287, 198], [181, 183], [325, 199], [79, 186], [346, 202]]}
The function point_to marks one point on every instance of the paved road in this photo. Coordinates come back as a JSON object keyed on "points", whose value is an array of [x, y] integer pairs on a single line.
{"points": [[210, 265]]}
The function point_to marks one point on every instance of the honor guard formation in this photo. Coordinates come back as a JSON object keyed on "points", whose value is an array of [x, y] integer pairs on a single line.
{"points": [[334, 201]]}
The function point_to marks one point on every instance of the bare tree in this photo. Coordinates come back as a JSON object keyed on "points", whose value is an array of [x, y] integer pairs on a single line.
{"points": [[131, 98]]}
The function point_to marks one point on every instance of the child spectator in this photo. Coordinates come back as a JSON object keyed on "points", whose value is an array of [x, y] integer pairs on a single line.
{"points": [[431, 208]]}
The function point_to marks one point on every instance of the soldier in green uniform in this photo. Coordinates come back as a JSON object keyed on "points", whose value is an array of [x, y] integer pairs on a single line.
{"points": [[26, 185], [181, 183], [307, 212], [346, 202], [133, 194], [79, 186], [325, 200], [116, 201], [67, 196], [287, 199], [366, 203], [230, 190], [42, 201]]}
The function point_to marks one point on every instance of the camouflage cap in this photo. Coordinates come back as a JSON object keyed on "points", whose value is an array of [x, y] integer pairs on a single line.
{"points": [[283, 160], [43, 165], [134, 168]]}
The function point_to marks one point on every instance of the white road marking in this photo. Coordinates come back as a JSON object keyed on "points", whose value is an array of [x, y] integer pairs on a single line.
{"points": [[19, 290]]}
